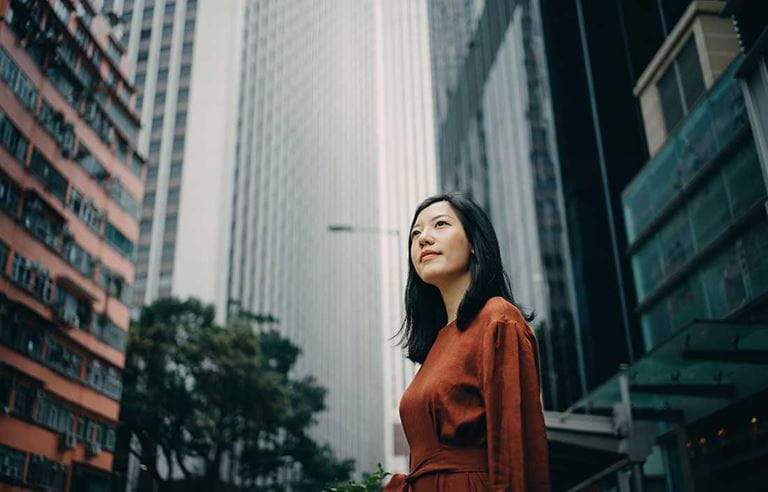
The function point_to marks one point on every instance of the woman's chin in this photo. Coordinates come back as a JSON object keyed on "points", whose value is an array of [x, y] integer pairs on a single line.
{"points": [[433, 279]]}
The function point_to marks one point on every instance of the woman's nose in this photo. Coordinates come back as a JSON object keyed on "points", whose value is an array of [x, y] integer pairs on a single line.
{"points": [[425, 238]]}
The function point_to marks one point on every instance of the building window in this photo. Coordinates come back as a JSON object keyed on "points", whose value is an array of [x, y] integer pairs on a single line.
{"points": [[12, 139], [178, 144], [78, 258], [13, 463], [50, 177], [170, 222], [176, 168], [16, 80], [91, 165], [31, 277], [145, 229], [63, 359], [124, 198], [83, 207], [9, 195], [73, 312], [108, 332], [173, 196], [3, 257], [27, 341], [168, 250], [61, 131], [118, 240], [682, 85], [45, 474], [151, 177]]}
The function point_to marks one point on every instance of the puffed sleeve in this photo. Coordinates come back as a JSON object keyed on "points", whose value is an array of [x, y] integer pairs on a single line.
{"points": [[516, 434]]}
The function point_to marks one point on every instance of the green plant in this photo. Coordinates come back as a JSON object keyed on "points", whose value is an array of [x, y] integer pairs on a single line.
{"points": [[371, 483]]}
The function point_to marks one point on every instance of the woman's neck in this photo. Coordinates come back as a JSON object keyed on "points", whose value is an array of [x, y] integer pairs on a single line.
{"points": [[453, 294]]}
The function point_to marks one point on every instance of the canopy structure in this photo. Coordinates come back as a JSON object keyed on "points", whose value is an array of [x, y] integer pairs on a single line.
{"points": [[704, 367]]}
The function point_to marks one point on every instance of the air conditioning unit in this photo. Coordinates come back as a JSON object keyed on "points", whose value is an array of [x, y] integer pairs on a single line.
{"points": [[10, 470], [71, 319], [67, 440], [94, 448]]}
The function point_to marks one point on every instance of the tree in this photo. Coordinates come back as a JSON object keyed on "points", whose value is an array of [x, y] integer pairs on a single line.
{"points": [[221, 397]]}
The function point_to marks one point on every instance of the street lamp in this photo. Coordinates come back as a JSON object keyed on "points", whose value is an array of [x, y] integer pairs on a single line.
{"points": [[377, 230], [390, 397]]}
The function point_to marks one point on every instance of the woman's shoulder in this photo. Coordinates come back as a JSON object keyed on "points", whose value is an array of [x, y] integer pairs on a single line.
{"points": [[500, 309]]}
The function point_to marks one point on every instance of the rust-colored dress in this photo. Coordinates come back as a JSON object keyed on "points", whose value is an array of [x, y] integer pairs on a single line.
{"points": [[472, 414]]}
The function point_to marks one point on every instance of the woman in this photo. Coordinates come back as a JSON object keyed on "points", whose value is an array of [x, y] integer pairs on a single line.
{"points": [[472, 414]]}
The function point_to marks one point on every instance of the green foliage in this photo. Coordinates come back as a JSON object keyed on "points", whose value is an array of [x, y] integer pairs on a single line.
{"points": [[372, 483], [223, 395]]}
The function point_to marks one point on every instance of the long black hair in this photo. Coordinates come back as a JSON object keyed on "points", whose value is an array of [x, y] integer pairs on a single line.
{"points": [[424, 308]]}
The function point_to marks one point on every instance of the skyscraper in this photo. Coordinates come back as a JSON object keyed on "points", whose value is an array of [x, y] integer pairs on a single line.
{"points": [[186, 72], [70, 185], [307, 159], [406, 175], [496, 141]]}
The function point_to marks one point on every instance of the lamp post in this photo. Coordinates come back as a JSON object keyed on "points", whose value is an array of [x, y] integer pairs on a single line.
{"points": [[377, 230], [389, 389]]}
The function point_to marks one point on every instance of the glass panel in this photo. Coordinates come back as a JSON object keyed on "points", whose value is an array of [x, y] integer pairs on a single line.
{"points": [[709, 211], [676, 243], [687, 303], [646, 266], [729, 114], [724, 284], [656, 325], [756, 259], [744, 179], [697, 145]]}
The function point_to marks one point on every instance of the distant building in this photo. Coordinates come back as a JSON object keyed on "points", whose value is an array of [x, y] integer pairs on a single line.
{"points": [[70, 192], [185, 56], [407, 174], [496, 140], [307, 159]]}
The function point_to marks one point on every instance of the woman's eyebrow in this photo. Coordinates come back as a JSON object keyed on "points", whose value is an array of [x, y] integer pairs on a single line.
{"points": [[418, 224]]}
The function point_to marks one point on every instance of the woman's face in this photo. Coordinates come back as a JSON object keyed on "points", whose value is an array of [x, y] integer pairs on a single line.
{"points": [[440, 249]]}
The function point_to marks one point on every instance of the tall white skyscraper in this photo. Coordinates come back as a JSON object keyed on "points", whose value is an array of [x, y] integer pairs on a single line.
{"points": [[335, 149], [407, 175], [185, 55], [306, 159]]}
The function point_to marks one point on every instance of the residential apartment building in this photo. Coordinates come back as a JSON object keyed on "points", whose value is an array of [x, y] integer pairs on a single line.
{"points": [[70, 191]]}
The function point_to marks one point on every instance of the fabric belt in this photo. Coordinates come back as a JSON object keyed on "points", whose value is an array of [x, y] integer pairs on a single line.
{"points": [[448, 460]]}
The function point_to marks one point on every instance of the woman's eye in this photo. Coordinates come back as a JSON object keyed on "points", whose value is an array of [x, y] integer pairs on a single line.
{"points": [[441, 222], [414, 233]]}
